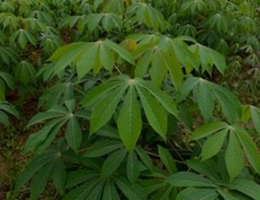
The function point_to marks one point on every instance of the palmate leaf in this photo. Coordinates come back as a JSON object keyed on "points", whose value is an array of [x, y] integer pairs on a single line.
{"points": [[209, 58], [230, 104], [161, 55], [104, 100], [129, 120], [86, 56]]}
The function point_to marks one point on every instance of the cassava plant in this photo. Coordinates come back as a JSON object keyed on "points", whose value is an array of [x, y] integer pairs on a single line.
{"points": [[129, 108]]}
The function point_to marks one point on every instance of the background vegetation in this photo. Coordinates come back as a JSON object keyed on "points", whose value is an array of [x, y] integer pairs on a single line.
{"points": [[131, 99]]}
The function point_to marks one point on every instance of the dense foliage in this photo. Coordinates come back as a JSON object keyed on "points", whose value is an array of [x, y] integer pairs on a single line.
{"points": [[135, 97]]}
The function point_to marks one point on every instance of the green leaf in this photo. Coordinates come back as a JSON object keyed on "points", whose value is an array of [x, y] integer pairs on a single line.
{"points": [[80, 176], [66, 54], [132, 193], [246, 186], [106, 57], [34, 166], [129, 120], [113, 161], [91, 56], [52, 113], [99, 92], [35, 140], [167, 159], [73, 134], [230, 104], [101, 148], [250, 149], [123, 53], [226, 195], [59, 174], [97, 191], [208, 129], [197, 194], [144, 157], [39, 182], [165, 100], [132, 167], [81, 192], [255, 115], [105, 109], [234, 156], [155, 114], [110, 192], [213, 144], [204, 98], [188, 179]]}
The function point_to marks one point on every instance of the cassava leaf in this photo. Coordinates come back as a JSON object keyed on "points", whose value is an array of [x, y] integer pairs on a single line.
{"points": [[154, 112], [197, 194], [167, 159], [234, 156], [113, 161], [208, 129], [105, 109], [213, 144], [188, 179], [129, 120], [73, 133], [250, 149], [246, 186]]}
